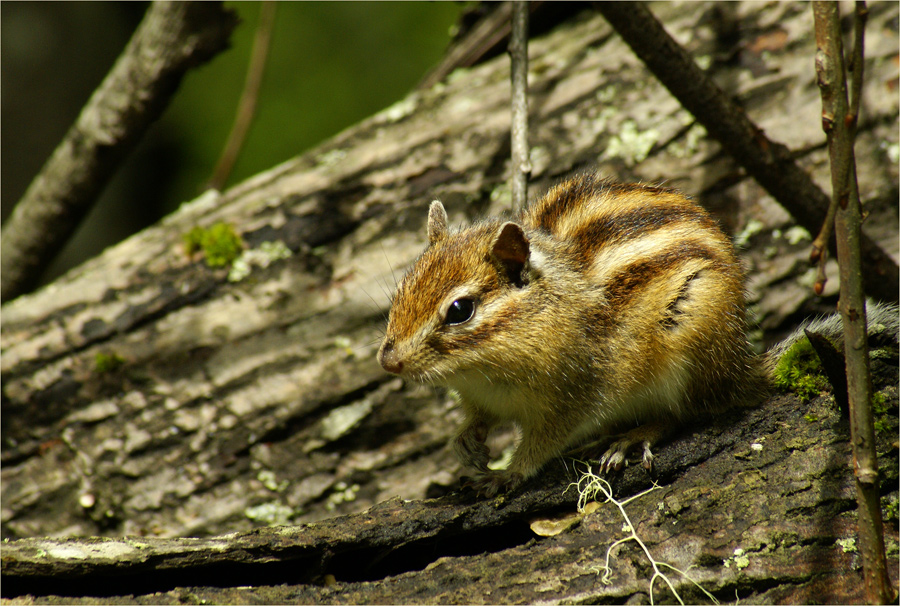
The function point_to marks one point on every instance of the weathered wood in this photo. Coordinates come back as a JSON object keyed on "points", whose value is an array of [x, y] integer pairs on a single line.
{"points": [[758, 505], [243, 404]]}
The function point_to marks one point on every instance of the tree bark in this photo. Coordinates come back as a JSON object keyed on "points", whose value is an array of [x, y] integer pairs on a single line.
{"points": [[147, 395], [757, 506]]}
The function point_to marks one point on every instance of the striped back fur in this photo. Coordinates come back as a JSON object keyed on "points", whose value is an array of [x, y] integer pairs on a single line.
{"points": [[600, 306]]}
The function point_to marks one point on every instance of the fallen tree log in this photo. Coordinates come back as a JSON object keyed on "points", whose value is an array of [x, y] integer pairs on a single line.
{"points": [[758, 506], [148, 395]]}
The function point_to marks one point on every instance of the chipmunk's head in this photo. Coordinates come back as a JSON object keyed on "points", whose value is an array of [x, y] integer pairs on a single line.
{"points": [[459, 295]]}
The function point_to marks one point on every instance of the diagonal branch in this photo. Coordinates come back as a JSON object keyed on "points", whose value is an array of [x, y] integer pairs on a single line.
{"points": [[247, 105], [769, 162], [172, 38]]}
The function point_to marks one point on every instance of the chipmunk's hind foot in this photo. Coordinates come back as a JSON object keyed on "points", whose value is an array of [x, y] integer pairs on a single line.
{"points": [[620, 447]]}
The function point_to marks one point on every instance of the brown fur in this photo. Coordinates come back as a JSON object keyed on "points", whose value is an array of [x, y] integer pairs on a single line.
{"points": [[601, 306]]}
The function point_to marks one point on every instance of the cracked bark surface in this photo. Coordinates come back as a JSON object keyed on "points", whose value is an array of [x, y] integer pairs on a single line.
{"points": [[240, 405]]}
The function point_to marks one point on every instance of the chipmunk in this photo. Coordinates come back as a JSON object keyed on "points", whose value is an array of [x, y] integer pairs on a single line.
{"points": [[600, 307]]}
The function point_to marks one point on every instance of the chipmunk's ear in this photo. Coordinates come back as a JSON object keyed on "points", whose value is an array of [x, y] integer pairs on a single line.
{"points": [[437, 222], [512, 250]]}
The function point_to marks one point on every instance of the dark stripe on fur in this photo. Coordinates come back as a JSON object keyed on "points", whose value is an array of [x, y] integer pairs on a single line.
{"points": [[567, 196], [629, 282], [630, 225], [576, 192]]}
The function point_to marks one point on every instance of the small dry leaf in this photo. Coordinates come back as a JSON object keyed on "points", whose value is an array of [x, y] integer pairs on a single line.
{"points": [[550, 527], [590, 508]]}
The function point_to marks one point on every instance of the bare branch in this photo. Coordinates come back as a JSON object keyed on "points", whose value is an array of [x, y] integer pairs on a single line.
{"points": [[839, 123], [855, 68], [518, 53], [820, 244], [172, 38], [247, 105]]}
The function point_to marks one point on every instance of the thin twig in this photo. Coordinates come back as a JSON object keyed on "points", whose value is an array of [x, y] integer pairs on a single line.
{"points": [[770, 163], [856, 60], [839, 123], [247, 105], [818, 253], [172, 38], [518, 53], [845, 147]]}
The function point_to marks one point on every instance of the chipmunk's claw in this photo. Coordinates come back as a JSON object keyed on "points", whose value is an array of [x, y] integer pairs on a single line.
{"points": [[492, 483], [616, 457]]}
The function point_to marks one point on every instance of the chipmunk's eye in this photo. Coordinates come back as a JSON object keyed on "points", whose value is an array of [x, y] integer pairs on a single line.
{"points": [[460, 311]]}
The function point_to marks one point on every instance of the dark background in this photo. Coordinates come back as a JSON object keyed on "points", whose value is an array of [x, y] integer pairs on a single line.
{"points": [[330, 65]]}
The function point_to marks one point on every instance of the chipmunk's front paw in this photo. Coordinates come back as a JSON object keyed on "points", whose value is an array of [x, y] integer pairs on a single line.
{"points": [[492, 483], [472, 451]]}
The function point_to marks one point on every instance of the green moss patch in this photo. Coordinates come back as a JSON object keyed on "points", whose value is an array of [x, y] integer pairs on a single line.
{"points": [[220, 244], [107, 362], [800, 371]]}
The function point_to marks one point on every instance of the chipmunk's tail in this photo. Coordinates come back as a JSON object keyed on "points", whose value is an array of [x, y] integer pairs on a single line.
{"points": [[882, 319]]}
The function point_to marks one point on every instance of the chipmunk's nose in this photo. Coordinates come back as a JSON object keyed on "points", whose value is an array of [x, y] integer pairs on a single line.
{"points": [[388, 358]]}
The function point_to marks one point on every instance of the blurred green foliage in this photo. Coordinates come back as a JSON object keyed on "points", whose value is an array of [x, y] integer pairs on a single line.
{"points": [[330, 65]]}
